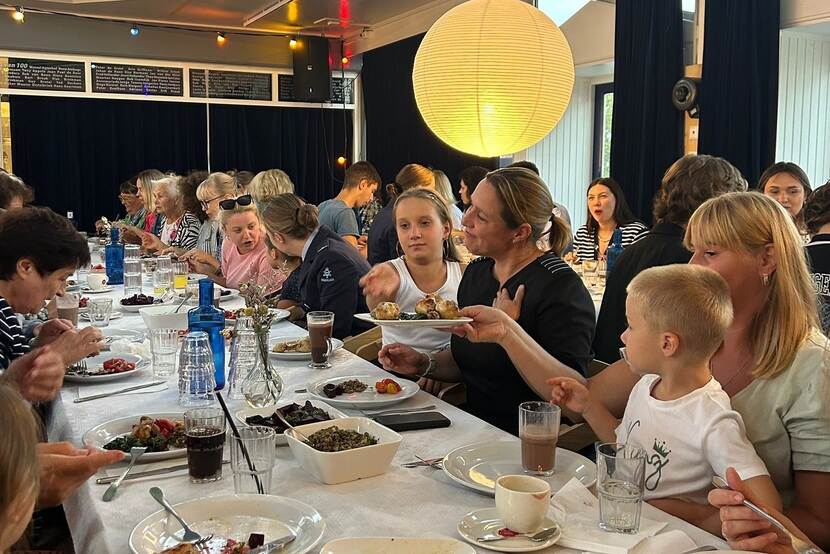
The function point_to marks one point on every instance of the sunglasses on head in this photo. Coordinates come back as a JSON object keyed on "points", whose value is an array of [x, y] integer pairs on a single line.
{"points": [[244, 200]]}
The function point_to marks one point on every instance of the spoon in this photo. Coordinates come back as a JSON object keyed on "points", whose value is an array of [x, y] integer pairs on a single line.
{"points": [[189, 534], [135, 453], [281, 417], [185, 299], [799, 545], [540, 536]]}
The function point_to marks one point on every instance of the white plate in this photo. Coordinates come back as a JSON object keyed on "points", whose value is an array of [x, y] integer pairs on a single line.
{"points": [[101, 434], [336, 344], [366, 399], [395, 545], [86, 290], [487, 522], [115, 314], [123, 334], [478, 465], [134, 309], [248, 412], [96, 362], [430, 323], [279, 315], [233, 516]]}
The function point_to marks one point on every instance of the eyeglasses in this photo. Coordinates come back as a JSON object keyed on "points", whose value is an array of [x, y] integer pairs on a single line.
{"points": [[244, 200], [206, 203]]}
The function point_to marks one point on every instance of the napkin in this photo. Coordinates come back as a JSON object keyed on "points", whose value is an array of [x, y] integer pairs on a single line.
{"points": [[577, 512], [670, 541], [122, 346], [91, 390]]}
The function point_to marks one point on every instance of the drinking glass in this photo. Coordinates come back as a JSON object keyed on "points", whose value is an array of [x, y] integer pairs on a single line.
{"points": [[243, 353], [196, 371], [100, 310], [602, 269], [319, 326], [163, 345], [163, 276], [180, 275], [620, 485], [539, 432], [67, 306], [132, 276], [204, 431], [589, 270], [260, 442], [132, 252]]}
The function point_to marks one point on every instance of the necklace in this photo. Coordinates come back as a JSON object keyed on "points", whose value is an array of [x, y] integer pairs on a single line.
{"points": [[739, 372]]}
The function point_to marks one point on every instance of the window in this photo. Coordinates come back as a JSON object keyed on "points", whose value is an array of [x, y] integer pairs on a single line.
{"points": [[5, 135], [603, 112]]}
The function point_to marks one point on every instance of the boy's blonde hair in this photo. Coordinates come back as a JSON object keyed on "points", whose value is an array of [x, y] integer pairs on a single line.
{"points": [[18, 457], [690, 301]]}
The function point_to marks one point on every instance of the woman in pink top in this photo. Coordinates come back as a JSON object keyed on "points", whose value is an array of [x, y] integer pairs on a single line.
{"points": [[244, 252]]}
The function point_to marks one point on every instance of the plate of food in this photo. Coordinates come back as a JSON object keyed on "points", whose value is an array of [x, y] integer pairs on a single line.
{"points": [[105, 367], [297, 348], [296, 414], [112, 334], [87, 290], [362, 391], [137, 301], [432, 311], [161, 433], [396, 545], [232, 517]]}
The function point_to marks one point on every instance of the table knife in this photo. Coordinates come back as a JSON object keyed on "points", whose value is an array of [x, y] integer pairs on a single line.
{"points": [[120, 391], [273, 546], [148, 473]]}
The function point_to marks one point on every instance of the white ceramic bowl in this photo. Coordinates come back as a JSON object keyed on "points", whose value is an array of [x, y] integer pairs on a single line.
{"points": [[332, 468], [160, 317]]}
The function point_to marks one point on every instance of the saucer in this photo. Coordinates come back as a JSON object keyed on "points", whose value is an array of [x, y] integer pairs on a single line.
{"points": [[487, 522], [86, 290]]}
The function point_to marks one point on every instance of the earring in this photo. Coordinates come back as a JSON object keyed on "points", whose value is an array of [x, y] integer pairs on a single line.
{"points": [[765, 279]]}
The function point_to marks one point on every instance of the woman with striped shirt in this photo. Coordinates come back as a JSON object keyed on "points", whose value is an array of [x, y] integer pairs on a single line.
{"points": [[607, 211], [181, 228]]}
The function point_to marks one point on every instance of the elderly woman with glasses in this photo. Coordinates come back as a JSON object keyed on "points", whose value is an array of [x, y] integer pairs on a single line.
{"points": [[244, 255], [181, 228], [133, 203]]}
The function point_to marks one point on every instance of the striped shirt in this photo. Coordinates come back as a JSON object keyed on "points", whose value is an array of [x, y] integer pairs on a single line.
{"points": [[183, 233], [586, 245], [12, 342], [210, 239]]}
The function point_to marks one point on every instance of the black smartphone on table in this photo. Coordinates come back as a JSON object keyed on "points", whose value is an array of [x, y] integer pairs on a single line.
{"points": [[413, 422]]}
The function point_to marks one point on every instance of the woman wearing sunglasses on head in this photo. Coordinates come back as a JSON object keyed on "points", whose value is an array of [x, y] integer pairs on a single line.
{"points": [[244, 252]]}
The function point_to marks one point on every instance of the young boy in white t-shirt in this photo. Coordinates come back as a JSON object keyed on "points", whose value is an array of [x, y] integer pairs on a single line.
{"points": [[677, 412]]}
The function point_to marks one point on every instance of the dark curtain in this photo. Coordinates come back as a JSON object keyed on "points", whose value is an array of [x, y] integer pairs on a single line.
{"points": [[646, 131], [75, 152], [739, 99], [395, 131], [303, 142]]}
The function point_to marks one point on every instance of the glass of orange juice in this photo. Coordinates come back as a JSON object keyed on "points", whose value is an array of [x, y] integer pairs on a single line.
{"points": [[179, 275]]}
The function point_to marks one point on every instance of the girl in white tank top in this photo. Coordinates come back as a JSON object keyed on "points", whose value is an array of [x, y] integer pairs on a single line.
{"points": [[429, 265]]}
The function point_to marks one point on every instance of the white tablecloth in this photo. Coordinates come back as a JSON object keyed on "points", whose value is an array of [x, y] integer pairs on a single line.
{"points": [[402, 502]]}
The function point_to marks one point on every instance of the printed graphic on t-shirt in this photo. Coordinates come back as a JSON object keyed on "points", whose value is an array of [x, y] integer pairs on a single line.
{"points": [[821, 282], [327, 276], [657, 461]]}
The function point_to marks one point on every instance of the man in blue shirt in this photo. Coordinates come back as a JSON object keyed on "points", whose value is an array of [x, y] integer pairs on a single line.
{"points": [[338, 214]]}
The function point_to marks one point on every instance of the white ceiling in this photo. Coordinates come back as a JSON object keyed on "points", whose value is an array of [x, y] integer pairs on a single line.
{"points": [[334, 17]]}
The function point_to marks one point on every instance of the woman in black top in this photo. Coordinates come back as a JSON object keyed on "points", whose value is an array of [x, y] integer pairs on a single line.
{"points": [[509, 211], [382, 242], [816, 215]]}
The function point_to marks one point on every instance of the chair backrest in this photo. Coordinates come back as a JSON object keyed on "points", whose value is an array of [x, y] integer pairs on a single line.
{"points": [[365, 345], [595, 366]]}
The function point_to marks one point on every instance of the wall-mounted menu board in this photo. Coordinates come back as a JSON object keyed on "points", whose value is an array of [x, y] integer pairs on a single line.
{"points": [[236, 85], [34, 74], [146, 80], [285, 84]]}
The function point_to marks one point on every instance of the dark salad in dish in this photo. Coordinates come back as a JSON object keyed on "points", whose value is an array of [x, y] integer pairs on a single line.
{"points": [[157, 435], [295, 414]]}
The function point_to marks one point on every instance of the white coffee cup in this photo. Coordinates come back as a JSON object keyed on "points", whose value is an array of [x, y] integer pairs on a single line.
{"points": [[522, 502], [96, 281]]}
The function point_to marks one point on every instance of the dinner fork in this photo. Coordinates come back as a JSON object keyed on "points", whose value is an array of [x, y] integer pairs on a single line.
{"points": [[78, 368], [135, 453], [540, 536], [800, 546], [189, 534]]}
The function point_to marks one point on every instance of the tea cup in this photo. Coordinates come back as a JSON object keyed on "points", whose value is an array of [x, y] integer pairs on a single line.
{"points": [[96, 281], [522, 502]]}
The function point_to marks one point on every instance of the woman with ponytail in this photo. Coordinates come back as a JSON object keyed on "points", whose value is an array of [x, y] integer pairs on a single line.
{"points": [[330, 268]]}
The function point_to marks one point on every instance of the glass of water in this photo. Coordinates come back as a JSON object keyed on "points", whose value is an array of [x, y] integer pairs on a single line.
{"points": [[132, 276], [164, 344], [163, 276], [620, 485], [196, 371], [99, 310]]}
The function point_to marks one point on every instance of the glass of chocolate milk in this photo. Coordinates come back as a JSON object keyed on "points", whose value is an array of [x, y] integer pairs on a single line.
{"points": [[319, 333], [539, 431], [68, 307]]}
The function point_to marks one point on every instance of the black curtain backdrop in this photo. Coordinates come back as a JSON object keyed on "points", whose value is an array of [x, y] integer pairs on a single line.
{"points": [[303, 142], [646, 131], [75, 152], [739, 99], [395, 131]]}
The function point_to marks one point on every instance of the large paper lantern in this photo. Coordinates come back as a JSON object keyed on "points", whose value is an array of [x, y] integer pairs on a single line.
{"points": [[493, 77]]}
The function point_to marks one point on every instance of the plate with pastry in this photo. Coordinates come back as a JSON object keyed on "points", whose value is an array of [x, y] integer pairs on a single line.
{"points": [[296, 348], [431, 311]]}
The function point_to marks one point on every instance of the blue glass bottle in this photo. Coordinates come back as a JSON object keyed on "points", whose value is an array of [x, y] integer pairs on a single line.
{"points": [[613, 251], [114, 259], [205, 317]]}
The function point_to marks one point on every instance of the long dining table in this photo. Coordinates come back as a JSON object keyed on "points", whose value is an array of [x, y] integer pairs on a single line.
{"points": [[419, 502]]}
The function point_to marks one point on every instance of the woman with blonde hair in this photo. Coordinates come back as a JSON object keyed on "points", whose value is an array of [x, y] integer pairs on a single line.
{"points": [[508, 215], [382, 242], [331, 267], [269, 184], [210, 192], [773, 364], [244, 251], [153, 221], [19, 467], [444, 189]]}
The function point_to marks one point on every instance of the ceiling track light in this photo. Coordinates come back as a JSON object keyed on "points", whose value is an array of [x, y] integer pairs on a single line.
{"points": [[220, 38], [18, 14], [134, 30]]}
